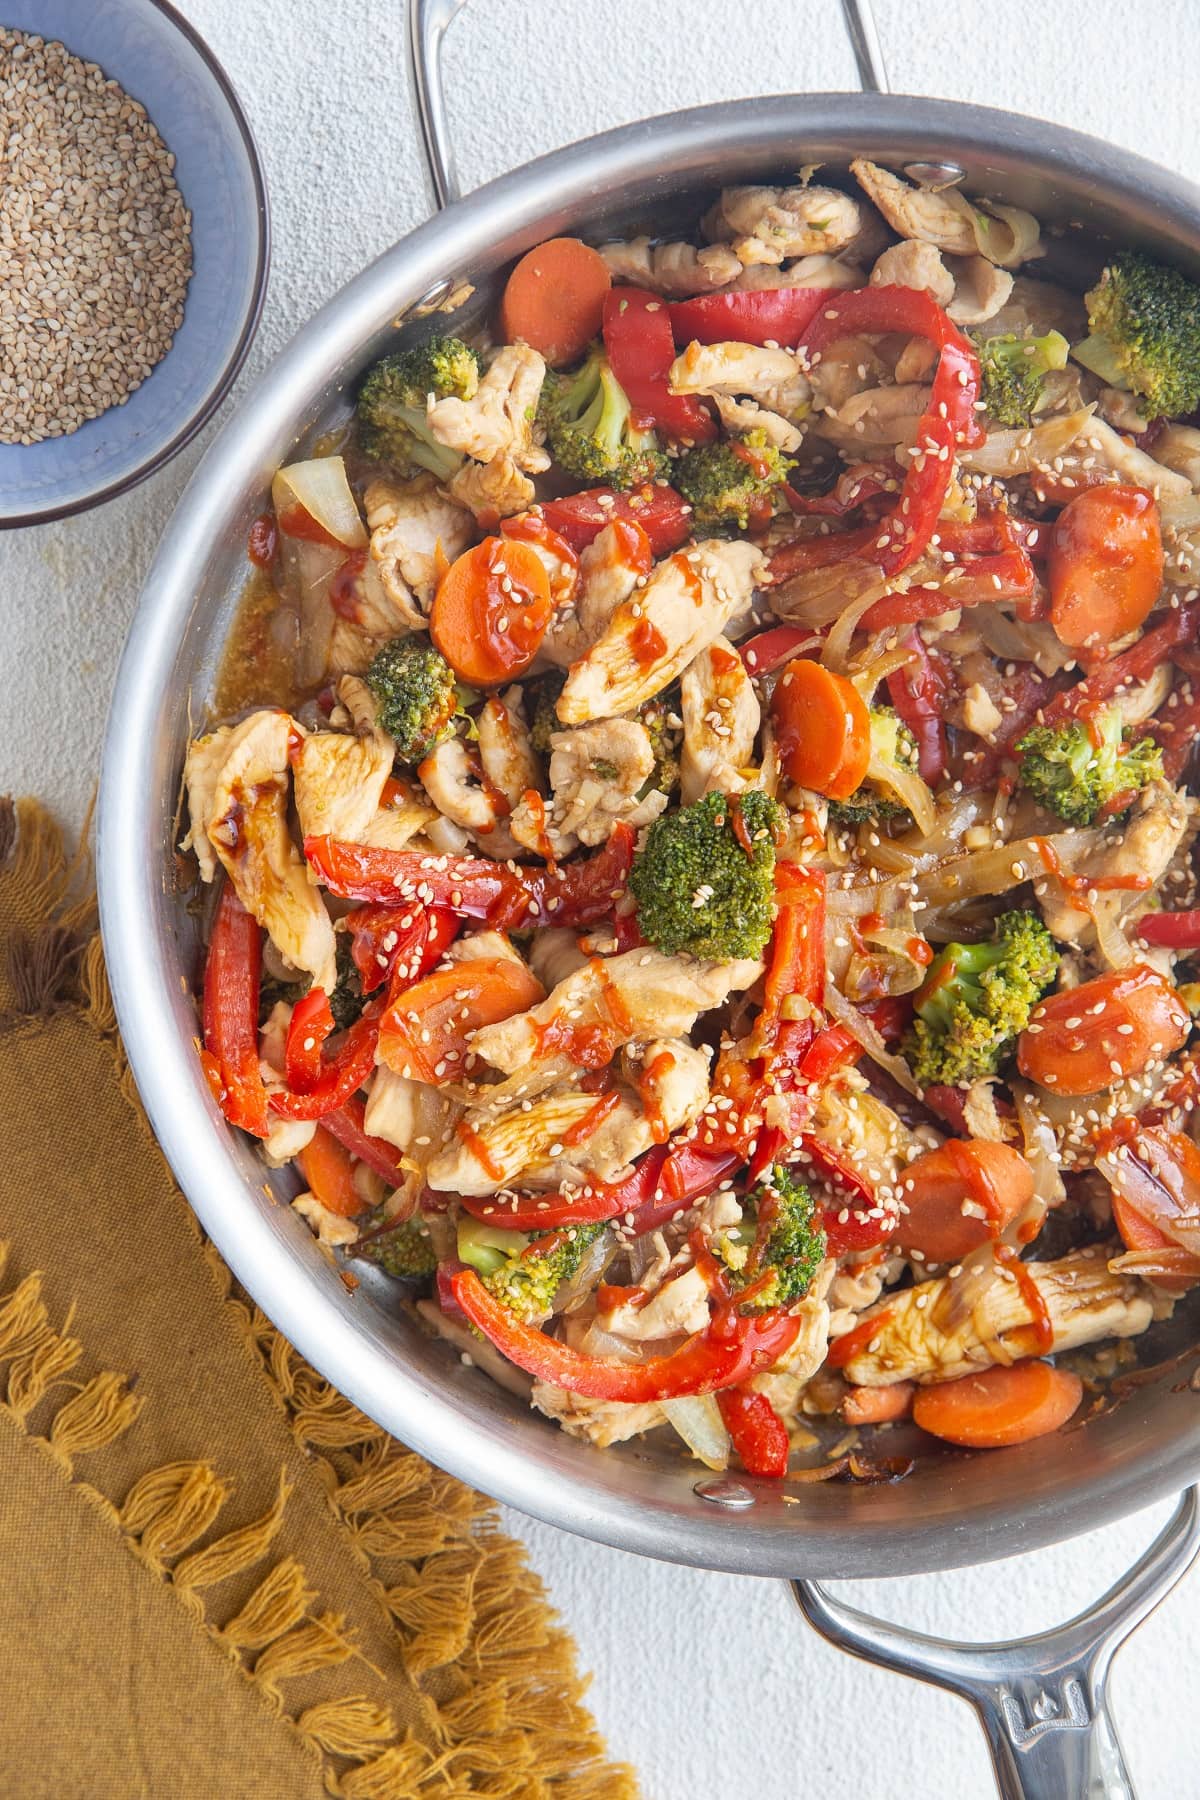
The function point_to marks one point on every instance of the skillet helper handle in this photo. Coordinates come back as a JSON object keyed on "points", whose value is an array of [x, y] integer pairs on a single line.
{"points": [[1041, 1700], [428, 21]]}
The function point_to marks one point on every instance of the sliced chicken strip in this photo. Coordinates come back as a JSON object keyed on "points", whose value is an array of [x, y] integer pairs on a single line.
{"points": [[498, 488], [674, 270], [411, 522], [773, 377], [599, 1422], [509, 760], [451, 776], [1144, 846], [597, 772], [687, 602], [497, 421], [721, 717], [237, 783], [914, 264], [339, 782], [609, 570], [546, 1143], [926, 1334], [771, 224], [947, 219], [610, 1002], [416, 1118]]}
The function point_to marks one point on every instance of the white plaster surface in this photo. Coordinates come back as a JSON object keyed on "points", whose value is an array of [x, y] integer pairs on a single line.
{"points": [[712, 1685]]}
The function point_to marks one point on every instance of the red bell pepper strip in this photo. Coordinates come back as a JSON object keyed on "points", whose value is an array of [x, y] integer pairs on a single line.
{"points": [[664, 515], [865, 481], [760, 316], [758, 1433], [1177, 729], [862, 1228], [844, 1349], [982, 581], [1134, 665], [348, 1126], [821, 550], [949, 423], [576, 893], [579, 893], [232, 974], [918, 693], [769, 650], [469, 887], [403, 941], [641, 349], [310, 1024], [1174, 930], [730, 1348], [341, 1075], [1026, 694], [681, 1173]]}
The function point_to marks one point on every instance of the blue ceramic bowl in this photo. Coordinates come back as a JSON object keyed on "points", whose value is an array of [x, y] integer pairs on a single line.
{"points": [[158, 59]]}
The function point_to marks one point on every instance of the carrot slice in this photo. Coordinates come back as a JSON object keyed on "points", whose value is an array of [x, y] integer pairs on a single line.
{"points": [[823, 729], [990, 1178], [877, 1405], [328, 1168], [491, 611], [999, 1406], [426, 1030], [554, 299]]}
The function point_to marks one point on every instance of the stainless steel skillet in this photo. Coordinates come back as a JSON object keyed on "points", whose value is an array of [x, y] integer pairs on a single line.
{"points": [[1042, 1701]]}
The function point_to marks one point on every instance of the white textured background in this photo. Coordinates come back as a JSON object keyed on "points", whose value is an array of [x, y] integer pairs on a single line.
{"points": [[711, 1685]]}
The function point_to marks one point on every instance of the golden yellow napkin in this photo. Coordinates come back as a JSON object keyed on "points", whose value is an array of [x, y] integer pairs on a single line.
{"points": [[218, 1577]]}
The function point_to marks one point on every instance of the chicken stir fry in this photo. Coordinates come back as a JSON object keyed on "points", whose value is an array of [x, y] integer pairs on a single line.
{"points": [[715, 919]]}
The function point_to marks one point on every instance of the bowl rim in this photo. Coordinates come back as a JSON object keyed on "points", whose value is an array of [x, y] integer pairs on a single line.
{"points": [[357, 1355], [228, 374]]}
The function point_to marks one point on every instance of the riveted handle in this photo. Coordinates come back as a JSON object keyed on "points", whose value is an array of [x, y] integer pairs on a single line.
{"points": [[1041, 1700], [429, 20]]}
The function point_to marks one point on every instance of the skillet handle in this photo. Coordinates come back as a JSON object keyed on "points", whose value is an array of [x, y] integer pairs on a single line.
{"points": [[428, 21], [1041, 1700]]}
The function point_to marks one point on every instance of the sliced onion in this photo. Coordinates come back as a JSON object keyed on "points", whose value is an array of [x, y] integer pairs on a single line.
{"points": [[1140, 1173], [594, 1262], [1016, 640], [863, 1032], [816, 596], [321, 489], [697, 1419], [1111, 941], [1016, 452], [1041, 1146], [1179, 512], [1168, 1262], [903, 781]]}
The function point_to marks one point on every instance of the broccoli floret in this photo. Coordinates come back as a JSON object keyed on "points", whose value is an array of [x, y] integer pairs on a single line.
{"points": [[392, 425], [590, 431], [347, 999], [733, 481], [405, 1250], [1145, 333], [1079, 770], [780, 1232], [665, 740], [698, 888], [541, 699], [415, 692], [976, 1000], [1014, 371], [524, 1272], [892, 745]]}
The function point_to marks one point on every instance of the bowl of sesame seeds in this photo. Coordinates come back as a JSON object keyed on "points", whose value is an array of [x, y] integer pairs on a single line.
{"points": [[134, 246]]}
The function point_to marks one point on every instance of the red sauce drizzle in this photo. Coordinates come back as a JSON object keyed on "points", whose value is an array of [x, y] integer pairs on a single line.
{"points": [[755, 459], [260, 545], [920, 951], [609, 1297], [536, 808], [1080, 884], [343, 595], [1042, 1324], [691, 581], [647, 643], [843, 1350], [975, 1178], [295, 522], [741, 830], [591, 1120], [479, 1150], [632, 545], [660, 1065], [722, 660]]}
